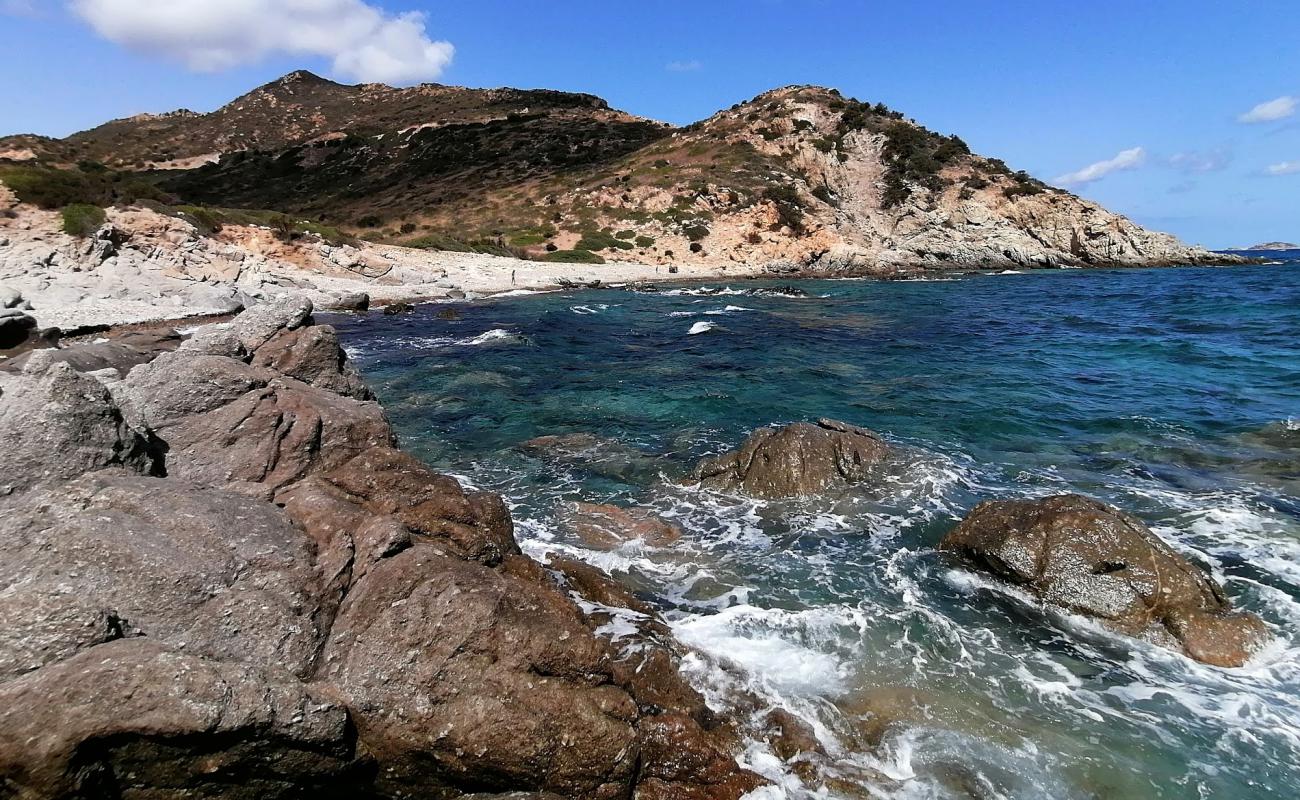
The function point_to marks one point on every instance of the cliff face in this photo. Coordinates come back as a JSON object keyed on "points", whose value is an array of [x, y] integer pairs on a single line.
{"points": [[799, 177]]}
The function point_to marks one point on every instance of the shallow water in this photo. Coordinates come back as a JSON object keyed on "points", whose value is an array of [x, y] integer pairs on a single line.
{"points": [[1174, 394]]}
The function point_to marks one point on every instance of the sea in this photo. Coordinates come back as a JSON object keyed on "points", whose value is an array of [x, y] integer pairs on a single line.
{"points": [[1173, 394]]}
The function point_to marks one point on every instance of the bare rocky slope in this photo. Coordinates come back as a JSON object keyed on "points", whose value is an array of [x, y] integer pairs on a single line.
{"points": [[797, 178]]}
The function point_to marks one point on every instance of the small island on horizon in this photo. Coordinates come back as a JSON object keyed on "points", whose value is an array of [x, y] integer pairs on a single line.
{"points": [[1273, 246]]}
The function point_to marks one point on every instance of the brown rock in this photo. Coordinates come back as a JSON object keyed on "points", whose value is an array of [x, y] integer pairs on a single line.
{"points": [[313, 356], [799, 460], [488, 681], [111, 555], [606, 527], [389, 482], [790, 736], [1094, 560], [135, 718]]}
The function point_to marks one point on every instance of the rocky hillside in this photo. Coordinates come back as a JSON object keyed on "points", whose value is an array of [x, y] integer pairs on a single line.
{"points": [[799, 177]]}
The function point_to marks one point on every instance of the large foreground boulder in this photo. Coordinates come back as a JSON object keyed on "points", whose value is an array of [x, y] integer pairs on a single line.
{"points": [[1091, 559], [799, 460], [220, 578]]}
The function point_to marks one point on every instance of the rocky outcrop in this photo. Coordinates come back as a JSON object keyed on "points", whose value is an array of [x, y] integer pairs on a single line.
{"points": [[1091, 559], [57, 423], [237, 586], [798, 460]]}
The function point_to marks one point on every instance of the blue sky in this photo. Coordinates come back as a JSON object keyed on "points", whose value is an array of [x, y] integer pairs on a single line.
{"points": [[1142, 102]]}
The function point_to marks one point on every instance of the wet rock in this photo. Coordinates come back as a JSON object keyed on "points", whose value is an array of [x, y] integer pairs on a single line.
{"points": [[449, 314], [798, 460], [393, 309], [790, 736], [56, 423], [607, 527], [1091, 559]]}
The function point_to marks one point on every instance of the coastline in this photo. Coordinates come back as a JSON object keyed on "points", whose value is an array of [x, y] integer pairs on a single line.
{"points": [[478, 277]]}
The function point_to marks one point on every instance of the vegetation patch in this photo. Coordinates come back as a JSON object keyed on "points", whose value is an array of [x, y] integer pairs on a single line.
{"points": [[82, 220], [593, 241], [789, 209], [573, 257]]}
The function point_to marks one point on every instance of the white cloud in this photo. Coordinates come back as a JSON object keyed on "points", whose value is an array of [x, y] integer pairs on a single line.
{"points": [[1280, 108], [1125, 160], [1205, 161], [365, 43], [1284, 168], [684, 66]]}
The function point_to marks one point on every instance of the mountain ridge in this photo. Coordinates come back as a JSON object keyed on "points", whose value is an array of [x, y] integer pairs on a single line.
{"points": [[798, 177]]}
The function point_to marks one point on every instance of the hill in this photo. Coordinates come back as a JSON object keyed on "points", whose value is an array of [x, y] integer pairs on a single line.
{"points": [[796, 178]]}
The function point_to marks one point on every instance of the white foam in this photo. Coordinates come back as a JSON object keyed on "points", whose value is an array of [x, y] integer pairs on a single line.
{"points": [[492, 337], [701, 327]]}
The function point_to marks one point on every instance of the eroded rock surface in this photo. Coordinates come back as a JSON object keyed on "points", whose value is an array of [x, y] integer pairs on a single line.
{"points": [[220, 578], [1089, 558], [798, 460]]}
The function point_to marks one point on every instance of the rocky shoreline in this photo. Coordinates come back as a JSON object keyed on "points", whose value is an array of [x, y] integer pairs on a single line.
{"points": [[224, 578]]}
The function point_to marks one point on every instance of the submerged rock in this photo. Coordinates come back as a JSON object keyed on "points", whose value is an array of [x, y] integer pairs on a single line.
{"points": [[398, 308], [799, 460], [606, 527], [597, 455], [1092, 559]]}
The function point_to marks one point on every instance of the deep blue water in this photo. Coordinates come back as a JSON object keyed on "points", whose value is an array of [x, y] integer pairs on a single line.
{"points": [[1174, 394]]}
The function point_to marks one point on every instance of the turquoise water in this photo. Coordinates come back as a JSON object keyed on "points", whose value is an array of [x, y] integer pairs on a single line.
{"points": [[1174, 394]]}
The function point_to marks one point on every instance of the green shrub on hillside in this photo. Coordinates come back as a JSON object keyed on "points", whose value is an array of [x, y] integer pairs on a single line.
{"points": [[645, 241], [573, 257], [434, 241], [696, 232], [789, 209], [205, 220], [601, 240], [625, 234], [55, 188], [82, 220]]}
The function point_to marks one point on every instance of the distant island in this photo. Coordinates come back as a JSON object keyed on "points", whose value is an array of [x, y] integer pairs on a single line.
{"points": [[1274, 246]]}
